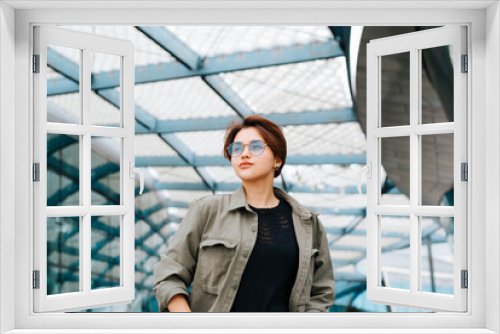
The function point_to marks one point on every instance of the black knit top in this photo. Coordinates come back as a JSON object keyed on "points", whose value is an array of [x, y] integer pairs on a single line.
{"points": [[270, 273]]}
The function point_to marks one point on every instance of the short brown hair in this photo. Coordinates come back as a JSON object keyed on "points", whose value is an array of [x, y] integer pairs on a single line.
{"points": [[270, 131]]}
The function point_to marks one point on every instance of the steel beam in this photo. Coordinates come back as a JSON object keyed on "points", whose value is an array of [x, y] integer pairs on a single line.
{"points": [[238, 61], [227, 93], [145, 119], [185, 153], [59, 142], [149, 122], [173, 44], [220, 123], [64, 65], [201, 161]]}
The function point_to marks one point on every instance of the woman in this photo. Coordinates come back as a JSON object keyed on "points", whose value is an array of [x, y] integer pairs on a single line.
{"points": [[255, 250]]}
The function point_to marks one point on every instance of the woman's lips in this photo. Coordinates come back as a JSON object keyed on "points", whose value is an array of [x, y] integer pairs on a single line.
{"points": [[245, 164]]}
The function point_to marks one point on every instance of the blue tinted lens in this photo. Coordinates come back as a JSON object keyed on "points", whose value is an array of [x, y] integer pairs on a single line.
{"points": [[235, 149], [257, 147]]}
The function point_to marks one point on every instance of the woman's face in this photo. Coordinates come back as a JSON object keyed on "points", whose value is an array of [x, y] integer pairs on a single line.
{"points": [[250, 167]]}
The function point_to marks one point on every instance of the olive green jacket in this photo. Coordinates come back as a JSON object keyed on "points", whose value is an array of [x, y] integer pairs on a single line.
{"points": [[212, 246]]}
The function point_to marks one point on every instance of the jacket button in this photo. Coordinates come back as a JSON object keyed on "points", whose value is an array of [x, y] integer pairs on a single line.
{"points": [[254, 228], [245, 254], [235, 287]]}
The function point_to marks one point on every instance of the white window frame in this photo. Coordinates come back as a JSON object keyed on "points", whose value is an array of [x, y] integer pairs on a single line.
{"points": [[413, 44], [483, 100], [86, 297]]}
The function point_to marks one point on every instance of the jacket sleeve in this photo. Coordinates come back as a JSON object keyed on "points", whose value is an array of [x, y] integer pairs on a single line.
{"points": [[323, 284], [175, 271]]}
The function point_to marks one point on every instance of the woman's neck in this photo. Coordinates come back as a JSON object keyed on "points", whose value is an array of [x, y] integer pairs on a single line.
{"points": [[260, 196]]}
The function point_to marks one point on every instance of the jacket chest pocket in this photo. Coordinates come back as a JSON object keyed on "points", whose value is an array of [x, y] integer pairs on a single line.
{"points": [[214, 259]]}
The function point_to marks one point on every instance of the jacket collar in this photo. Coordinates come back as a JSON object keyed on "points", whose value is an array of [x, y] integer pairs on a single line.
{"points": [[239, 200]]}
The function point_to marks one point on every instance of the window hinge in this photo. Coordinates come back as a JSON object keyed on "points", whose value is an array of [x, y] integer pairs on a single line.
{"points": [[36, 279], [465, 64], [36, 63], [36, 172], [465, 171], [465, 279]]}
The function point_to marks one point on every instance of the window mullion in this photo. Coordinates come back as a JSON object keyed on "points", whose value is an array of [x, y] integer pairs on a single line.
{"points": [[414, 169], [85, 247], [127, 79], [40, 154], [373, 183]]}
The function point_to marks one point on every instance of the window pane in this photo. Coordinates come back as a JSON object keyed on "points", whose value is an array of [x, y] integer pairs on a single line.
{"points": [[437, 178], [106, 157], [395, 157], [63, 170], [63, 255], [105, 252], [395, 252], [437, 254], [437, 85], [395, 89], [63, 85], [105, 105]]}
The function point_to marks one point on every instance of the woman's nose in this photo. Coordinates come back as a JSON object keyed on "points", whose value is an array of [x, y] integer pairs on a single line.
{"points": [[246, 151]]}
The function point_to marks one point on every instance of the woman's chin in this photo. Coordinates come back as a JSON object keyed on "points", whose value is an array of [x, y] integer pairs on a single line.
{"points": [[252, 178]]}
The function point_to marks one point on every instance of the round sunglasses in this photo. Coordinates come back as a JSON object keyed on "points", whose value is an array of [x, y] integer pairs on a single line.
{"points": [[256, 147]]}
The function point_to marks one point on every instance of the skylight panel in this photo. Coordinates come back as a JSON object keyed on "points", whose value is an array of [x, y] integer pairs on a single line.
{"points": [[204, 143], [146, 52], [323, 139], [177, 174], [141, 256], [181, 99], [318, 176], [159, 216], [312, 86], [141, 228], [223, 174], [153, 241], [148, 145], [103, 112], [209, 41], [146, 200], [53, 75], [67, 102]]}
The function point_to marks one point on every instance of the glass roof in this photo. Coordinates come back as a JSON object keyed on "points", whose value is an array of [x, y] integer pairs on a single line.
{"points": [[204, 143], [319, 139], [146, 51], [152, 145], [209, 41], [315, 86], [180, 99]]}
